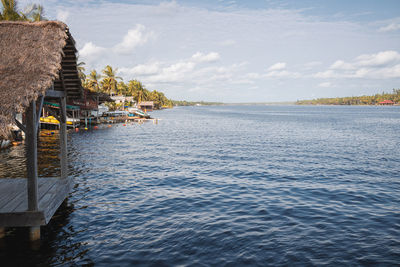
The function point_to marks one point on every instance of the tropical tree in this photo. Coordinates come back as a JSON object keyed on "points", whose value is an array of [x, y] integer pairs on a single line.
{"points": [[93, 83], [81, 70], [139, 93], [122, 89], [110, 80], [10, 11], [34, 12]]}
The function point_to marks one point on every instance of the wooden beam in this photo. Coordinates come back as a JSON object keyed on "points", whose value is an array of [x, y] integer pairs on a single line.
{"points": [[34, 233], [31, 156], [54, 93], [39, 111], [20, 125], [25, 218], [63, 138]]}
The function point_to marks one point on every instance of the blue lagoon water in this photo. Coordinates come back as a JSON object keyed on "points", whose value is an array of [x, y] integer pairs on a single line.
{"points": [[226, 186]]}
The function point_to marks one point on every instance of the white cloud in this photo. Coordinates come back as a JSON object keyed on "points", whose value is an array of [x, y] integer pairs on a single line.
{"points": [[90, 50], [325, 84], [261, 37], [390, 27], [228, 42], [325, 74], [312, 64], [62, 15], [167, 9], [282, 74], [379, 59], [341, 65], [380, 65], [135, 37], [253, 75], [210, 57], [172, 74], [277, 66], [142, 69]]}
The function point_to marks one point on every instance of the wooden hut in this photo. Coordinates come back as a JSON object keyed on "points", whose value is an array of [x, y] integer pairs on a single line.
{"points": [[146, 106], [37, 62]]}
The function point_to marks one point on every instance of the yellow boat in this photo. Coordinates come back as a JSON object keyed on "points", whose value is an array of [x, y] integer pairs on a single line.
{"points": [[49, 119]]}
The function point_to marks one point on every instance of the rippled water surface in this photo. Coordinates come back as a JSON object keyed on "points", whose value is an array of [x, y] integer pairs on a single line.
{"points": [[225, 186]]}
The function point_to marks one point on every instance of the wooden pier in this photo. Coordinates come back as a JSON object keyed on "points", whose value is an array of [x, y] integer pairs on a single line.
{"points": [[14, 201], [41, 66]]}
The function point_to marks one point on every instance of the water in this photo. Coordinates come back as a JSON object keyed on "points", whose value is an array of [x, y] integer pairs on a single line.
{"points": [[225, 186]]}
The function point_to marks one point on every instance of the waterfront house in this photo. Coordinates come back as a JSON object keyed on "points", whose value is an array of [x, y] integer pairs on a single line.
{"points": [[123, 99], [146, 106], [386, 103], [37, 64]]}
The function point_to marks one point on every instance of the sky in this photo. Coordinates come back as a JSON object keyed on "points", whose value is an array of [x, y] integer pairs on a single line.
{"points": [[240, 51]]}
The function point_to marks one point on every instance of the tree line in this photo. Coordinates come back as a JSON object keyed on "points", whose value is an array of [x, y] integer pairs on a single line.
{"points": [[109, 83], [355, 100], [194, 103]]}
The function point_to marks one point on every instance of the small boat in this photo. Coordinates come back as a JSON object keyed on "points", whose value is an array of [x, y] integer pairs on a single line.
{"points": [[117, 113], [138, 112], [49, 120], [73, 122]]}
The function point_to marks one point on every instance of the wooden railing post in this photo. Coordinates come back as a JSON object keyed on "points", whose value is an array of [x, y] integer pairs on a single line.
{"points": [[63, 138], [31, 156]]}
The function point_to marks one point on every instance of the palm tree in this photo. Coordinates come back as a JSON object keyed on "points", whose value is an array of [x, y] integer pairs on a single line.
{"points": [[81, 70], [122, 89], [34, 12], [93, 82], [109, 82], [139, 93], [10, 11]]}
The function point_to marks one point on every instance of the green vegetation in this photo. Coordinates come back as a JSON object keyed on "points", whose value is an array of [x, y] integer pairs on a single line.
{"points": [[188, 103], [108, 82], [11, 12], [355, 100]]}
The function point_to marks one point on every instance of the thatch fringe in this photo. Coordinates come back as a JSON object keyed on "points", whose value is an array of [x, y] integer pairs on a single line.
{"points": [[30, 60]]}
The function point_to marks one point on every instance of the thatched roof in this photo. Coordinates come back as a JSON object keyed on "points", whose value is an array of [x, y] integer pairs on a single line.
{"points": [[31, 56]]}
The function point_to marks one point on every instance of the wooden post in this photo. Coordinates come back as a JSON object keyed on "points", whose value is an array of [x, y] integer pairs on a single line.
{"points": [[63, 138], [31, 156], [34, 233], [2, 232]]}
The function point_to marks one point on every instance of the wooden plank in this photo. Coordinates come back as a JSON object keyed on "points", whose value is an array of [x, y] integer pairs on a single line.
{"points": [[44, 186], [48, 195], [15, 198], [31, 156], [8, 187], [60, 194], [65, 60]]}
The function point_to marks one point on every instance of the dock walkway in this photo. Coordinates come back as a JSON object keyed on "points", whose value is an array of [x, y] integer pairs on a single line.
{"points": [[14, 200]]}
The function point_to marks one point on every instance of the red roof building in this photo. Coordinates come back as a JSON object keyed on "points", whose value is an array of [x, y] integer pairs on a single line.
{"points": [[386, 102]]}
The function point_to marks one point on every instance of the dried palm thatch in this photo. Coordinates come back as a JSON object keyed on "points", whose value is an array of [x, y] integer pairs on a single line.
{"points": [[30, 60]]}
